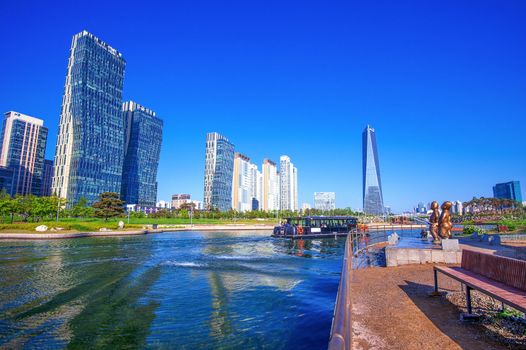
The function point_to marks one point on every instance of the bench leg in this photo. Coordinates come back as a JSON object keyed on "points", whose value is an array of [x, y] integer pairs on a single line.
{"points": [[469, 316], [468, 299], [436, 280], [435, 292]]}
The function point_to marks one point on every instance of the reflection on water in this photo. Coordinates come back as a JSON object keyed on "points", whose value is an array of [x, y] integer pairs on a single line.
{"points": [[178, 290]]}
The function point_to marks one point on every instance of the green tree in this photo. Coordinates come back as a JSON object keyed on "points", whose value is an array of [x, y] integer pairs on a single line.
{"points": [[24, 206], [44, 206], [6, 204], [81, 209], [108, 206]]}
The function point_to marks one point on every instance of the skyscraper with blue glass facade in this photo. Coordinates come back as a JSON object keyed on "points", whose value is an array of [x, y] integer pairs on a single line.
{"points": [[508, 190], [373, 202], [219, 168], [22, 150], [90, 142], [143, 136]]}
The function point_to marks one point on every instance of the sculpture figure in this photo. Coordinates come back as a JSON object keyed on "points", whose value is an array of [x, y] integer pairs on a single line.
{"points": [[433, 222], [444, 222]]}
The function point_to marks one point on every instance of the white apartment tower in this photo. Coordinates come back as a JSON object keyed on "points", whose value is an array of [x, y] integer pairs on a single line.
{"points": [[270, 186], [288, 185], [243, 183]]}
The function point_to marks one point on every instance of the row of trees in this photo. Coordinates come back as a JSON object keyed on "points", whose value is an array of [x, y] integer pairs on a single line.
{"points": [[188, 210], [110, 205], [42, 208]]}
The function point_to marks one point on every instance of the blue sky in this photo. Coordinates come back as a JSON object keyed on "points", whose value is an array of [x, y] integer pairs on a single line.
{"points": [[442, 82]]}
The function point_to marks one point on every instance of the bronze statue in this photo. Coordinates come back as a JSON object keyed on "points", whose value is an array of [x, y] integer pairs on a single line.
{"points": [[433, 222], [444, 222]]}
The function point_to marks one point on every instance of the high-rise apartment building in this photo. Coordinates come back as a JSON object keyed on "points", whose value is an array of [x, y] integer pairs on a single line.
{"points": [[288, 178], [90, 142], [47, 178], [244, 183], [23, 147], [457, 208], [270, 187], [256, 186], [143, 137], [373, 202], [508, 190], [325, 200], [219, 166]]}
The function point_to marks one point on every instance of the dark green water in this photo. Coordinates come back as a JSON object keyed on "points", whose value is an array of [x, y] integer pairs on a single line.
{"points": [[185, 290]]}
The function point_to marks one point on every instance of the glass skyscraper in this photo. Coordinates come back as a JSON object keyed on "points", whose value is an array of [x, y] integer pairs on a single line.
{"points": [[219, 167], [90, 142], [23, 146], [508, 190], [47, 178], [143, 137], [373, 202]]}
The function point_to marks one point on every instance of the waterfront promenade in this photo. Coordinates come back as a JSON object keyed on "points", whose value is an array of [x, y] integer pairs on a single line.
{"points": [[392, 309]]}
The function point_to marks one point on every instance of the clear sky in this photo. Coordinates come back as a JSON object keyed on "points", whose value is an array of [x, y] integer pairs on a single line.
{"points": [[442, 82]]}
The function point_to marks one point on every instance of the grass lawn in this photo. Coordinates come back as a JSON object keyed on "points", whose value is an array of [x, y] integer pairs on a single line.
{"points": [[94, 224]]}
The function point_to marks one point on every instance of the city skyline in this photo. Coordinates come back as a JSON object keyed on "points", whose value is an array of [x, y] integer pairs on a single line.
{"points": [[404, 113]]}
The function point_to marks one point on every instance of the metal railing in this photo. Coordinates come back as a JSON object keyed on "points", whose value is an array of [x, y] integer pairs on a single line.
{"points": [[341, 323], [355, 244]]}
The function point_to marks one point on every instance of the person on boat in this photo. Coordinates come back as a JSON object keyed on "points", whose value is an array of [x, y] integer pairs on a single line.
{"points": [[300, 229]]}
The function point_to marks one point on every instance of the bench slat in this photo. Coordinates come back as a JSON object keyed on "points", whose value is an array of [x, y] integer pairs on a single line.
{"points": [[509, 271], [500, 291]]}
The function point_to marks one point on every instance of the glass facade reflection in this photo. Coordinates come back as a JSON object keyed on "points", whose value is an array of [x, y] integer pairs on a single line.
{"points": [[373, 202], [143, 137], [90, 143], [6, 180], [508, 190], [219, 167], [47, 178]]}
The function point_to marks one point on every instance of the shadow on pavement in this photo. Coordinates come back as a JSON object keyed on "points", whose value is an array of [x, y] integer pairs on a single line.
{"points": [[445, 316]]}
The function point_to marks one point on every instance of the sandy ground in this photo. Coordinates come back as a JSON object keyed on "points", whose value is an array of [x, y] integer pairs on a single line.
{"points": [[392, 309]]}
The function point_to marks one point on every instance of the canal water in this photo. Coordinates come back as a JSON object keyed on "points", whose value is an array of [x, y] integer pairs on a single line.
{"points": [[184, 290]]}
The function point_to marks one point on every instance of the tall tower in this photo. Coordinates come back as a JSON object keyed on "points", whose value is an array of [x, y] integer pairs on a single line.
{"points": [[288, 177], [219, 167], [23, 147], [373, 202], [143, 135], [90, 142]]}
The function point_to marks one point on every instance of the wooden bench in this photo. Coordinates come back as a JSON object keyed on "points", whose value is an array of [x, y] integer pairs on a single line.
{"points": [[499, 277]]}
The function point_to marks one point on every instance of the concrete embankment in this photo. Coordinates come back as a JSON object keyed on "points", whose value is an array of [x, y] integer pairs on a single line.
{"points": [[161, 229]]}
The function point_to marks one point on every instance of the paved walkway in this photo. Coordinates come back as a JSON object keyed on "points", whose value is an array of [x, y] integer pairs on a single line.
{"points": [[392, 310]]}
